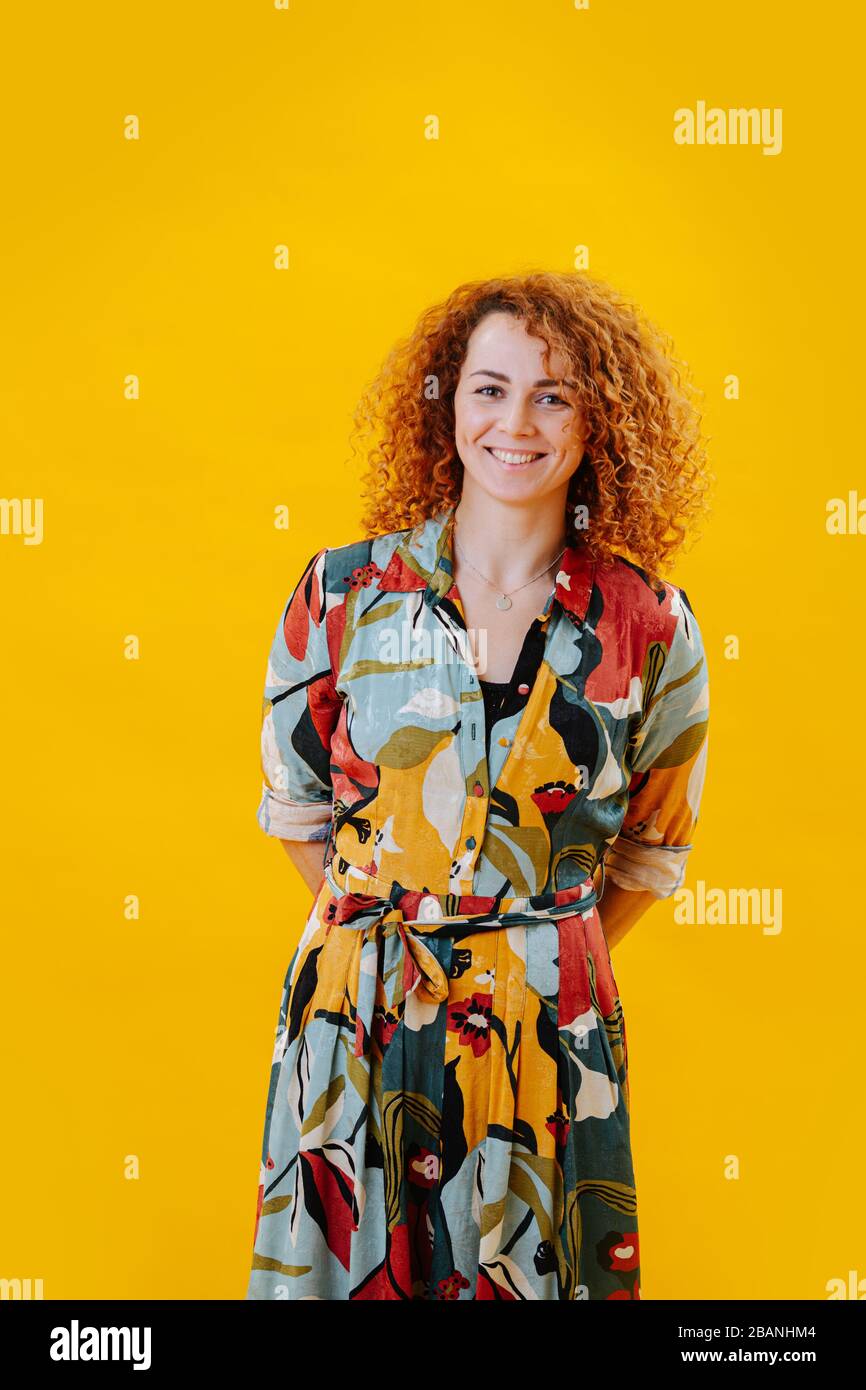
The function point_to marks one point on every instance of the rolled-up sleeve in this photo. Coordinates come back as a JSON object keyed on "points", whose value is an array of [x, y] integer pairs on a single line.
{"points": [[301, 707], [667, 757]]}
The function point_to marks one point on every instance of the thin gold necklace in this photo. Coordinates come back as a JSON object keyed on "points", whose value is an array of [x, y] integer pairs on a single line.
{"points": [[504, 600]]}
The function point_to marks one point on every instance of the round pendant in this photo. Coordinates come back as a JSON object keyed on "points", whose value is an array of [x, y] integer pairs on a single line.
{"points": [[503, 602]]}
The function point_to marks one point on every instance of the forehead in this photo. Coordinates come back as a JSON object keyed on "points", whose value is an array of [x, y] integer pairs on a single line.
{"points": [[502, 338]]}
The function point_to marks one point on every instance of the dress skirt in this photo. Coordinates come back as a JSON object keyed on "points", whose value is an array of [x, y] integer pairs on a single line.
{"points": [[447, 1115]]}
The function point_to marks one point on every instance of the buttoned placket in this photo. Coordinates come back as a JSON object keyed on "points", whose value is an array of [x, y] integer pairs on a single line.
{"points": [[407, 571], [473, 744]]}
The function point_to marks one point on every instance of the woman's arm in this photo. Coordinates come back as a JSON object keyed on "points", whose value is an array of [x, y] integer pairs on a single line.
{"points": [[620, 908], [308, 857], [667, 761]]}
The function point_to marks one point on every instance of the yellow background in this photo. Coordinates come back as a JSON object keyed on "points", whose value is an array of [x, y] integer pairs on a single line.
{"points": [[258, 126]]}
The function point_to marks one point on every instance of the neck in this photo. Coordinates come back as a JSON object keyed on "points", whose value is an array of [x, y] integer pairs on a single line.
{"points": [[510, 543]]}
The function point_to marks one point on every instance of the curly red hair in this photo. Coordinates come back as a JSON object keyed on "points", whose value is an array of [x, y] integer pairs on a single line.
{"points": [[643, 477]]}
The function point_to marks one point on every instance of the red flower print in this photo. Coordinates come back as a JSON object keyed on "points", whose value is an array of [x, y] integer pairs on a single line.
{"points": [[553, 797], [619, 1251], [471, 1019], [559, 1126], [449, 1287], [363, 576], [625, 1293], [423, 1166]]}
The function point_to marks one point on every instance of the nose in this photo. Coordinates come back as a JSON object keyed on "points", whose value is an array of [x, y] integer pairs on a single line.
{"points": [[514, 419]]}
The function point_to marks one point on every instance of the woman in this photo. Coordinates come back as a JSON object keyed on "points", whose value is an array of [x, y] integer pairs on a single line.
{"points": [[468, 717]]}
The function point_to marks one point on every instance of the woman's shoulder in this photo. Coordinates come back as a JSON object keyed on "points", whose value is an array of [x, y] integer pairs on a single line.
{"points": [[356, 564], [655, 604]]}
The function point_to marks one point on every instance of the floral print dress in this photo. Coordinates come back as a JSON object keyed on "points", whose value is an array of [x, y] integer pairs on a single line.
{"points": [[447, 1114]]}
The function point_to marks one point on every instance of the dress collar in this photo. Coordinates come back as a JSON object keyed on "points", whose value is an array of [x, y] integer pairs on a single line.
{"points": [[423, 560]]}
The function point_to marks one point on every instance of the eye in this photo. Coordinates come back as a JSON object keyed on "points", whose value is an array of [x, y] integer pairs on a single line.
{"points": [[497, 391]]}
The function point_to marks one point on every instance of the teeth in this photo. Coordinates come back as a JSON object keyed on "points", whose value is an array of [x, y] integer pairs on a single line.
{"points": [[506, 456]]}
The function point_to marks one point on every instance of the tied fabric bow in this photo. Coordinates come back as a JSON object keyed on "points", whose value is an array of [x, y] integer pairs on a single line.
{"points": [[423, 973]]}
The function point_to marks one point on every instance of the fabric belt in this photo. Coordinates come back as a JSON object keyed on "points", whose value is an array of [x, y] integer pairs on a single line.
{"points": [[413, 915]]}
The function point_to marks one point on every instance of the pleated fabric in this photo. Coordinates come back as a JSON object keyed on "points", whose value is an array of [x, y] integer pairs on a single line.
{"points": [[447, 1115]]}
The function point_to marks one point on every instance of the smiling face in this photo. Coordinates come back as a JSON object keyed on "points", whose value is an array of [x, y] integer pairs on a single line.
{"points": [[519, 435]]}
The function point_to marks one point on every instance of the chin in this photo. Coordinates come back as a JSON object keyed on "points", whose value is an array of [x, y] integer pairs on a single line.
{"points": [[518, 488]]}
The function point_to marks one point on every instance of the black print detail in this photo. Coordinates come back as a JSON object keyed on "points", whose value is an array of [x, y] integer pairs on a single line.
{"points": [[577, 729]]}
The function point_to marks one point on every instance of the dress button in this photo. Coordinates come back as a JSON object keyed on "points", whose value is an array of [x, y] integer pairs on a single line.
{"points": [[504, 742], [523, 689], [478, 789]]}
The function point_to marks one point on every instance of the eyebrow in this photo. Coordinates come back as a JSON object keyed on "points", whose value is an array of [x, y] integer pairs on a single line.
{"points": [[545, 381]]}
